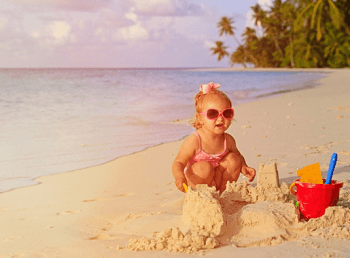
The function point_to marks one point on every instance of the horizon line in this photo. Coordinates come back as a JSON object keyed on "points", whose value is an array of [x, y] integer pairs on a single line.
{"points": [[117, 68]]}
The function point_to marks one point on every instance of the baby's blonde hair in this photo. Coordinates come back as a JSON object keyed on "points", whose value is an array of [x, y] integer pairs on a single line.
{"points": [[198, 100]]}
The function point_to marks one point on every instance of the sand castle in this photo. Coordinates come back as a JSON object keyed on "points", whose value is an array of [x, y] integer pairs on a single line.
{"points": [[245, 216]]}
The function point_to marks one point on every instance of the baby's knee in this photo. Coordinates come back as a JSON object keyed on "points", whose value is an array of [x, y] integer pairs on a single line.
{"points": [[233, 161], [203, 169]]}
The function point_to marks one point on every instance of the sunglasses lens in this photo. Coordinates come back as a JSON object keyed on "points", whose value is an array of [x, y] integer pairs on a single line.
{"points": [[212, 113], [228, 113]]}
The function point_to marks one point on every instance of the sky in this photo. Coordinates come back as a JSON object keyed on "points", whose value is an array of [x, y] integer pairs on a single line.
{"points": [[117, 33]]}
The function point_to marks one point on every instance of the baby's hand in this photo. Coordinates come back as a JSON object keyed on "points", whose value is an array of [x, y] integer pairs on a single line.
{"points": [[249, 172], [179, 184]]}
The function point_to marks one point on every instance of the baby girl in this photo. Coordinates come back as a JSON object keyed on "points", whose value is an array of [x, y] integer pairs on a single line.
{"points": [[210, 156]]}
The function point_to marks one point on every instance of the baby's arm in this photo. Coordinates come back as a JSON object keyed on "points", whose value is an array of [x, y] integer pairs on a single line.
{"points": [[187, 150], [246, 171]]}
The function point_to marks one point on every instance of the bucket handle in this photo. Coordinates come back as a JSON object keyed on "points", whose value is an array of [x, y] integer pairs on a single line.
{"points": [[291, 189]]}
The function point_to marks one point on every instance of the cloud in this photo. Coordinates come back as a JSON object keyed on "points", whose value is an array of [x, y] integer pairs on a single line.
{"points": [[14, 43], [208, 44], [128, 33], [134, 32], [3, 22], [114, 18], [53, 34], [131, 16], [119, 27], [154, 7], [59, 30], [265, 4], [250, 21], [35, 34], [167, 8], [86, 29], [67, 5]]}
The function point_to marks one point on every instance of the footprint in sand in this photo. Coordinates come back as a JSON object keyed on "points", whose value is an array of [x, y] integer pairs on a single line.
{"points": [[282, 164], [137, 216], [102, 237], [12, 255], [341, 108], [124, 195], [317, 149], [92, 200], [106, 199], [345, 152], [10, 239], [68, 212]]}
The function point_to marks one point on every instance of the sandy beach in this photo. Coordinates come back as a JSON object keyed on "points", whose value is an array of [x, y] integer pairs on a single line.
{"points": [[94, 212]]}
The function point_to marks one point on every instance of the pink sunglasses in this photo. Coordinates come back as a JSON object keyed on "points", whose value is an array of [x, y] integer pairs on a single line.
{"points": [[212, 113]]}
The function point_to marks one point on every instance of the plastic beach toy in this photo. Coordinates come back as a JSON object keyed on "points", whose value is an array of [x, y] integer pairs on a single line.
{"points": [[313, 199], [185, 186], [332, 164], [313, 193], [311, 174]]}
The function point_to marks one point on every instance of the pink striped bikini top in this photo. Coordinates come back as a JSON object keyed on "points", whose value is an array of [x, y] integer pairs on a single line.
{"points": [[201, 155]]}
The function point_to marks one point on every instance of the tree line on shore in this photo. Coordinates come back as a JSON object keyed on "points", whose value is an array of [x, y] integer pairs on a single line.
{"points": [[292, 33]]}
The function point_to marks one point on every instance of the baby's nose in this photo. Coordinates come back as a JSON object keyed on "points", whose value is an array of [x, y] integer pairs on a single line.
{"points": [[220, 118]]}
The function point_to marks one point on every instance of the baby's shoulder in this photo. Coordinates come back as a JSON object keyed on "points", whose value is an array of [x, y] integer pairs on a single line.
{"points": [[229, 137], [192, 140], [230, 140]]}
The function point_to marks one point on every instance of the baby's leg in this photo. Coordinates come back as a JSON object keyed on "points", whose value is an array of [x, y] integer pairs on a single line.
{"points": [[218, 177], [230, 166], [200, 173]]}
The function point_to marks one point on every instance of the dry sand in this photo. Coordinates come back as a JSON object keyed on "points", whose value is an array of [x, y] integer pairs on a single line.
{"points": [[132, 203]]}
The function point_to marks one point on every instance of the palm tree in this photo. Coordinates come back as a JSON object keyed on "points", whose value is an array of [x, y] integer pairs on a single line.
{"points": [[317, 11], [249, 35], [344, 7], [309, 52], [250, 39], [238, 56], [220, 50], [259, 16], [289, 14], [226, 27], [337, 50], [274, 25]]}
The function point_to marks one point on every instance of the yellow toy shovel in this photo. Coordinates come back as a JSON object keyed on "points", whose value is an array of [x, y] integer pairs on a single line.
{"points": [[185, 186]]}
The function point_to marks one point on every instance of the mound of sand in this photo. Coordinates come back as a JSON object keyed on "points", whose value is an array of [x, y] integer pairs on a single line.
{"points": [[245, 216]]}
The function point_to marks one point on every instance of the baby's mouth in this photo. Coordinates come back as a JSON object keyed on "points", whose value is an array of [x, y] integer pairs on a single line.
{"points": [[219, 125]]}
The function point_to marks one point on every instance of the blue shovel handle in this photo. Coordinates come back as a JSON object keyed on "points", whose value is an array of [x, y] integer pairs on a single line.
{"points": [[331, 168]]}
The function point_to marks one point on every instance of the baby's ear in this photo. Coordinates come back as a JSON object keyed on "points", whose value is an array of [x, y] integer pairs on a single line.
{"points": [[199, 118]]}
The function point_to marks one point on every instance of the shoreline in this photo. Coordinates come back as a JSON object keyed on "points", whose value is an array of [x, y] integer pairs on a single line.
{"points": [[274, 69], [310, 70], [90, 212]]}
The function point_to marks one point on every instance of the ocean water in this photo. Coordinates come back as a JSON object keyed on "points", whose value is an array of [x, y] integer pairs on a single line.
{"points": [[58, 120]]}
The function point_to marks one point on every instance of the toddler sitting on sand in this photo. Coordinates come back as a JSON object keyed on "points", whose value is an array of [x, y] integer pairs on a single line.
{"points": [[210, 156]]}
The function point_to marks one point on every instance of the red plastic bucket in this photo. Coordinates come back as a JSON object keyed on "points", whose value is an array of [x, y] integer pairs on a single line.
{"points": [[315, 198]]}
